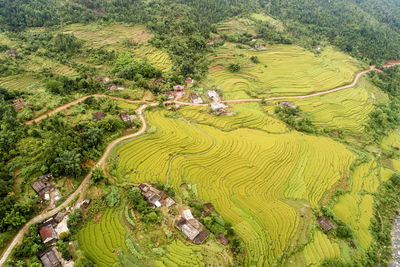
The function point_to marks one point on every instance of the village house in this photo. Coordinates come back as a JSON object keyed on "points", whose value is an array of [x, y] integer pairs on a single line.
{"points": [[287, 105], [120, 88], [155, 197], [47, 234], [49, 258], [84, 204], [191, 227], [213, 95], [219, 108], [196, 99], [43, 185], [326, 224], [178, 88]]}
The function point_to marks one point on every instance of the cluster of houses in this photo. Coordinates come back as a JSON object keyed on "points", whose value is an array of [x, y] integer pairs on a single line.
{"points": [[185, 222], [46, 190], [178, 90], [155, 197], [49, 231], [216, 105], [191, 227]]}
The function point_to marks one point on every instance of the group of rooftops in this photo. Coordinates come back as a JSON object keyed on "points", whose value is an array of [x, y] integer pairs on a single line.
{"points": [[185, 222]]}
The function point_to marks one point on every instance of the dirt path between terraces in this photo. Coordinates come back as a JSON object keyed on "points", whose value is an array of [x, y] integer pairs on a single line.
{"points": [[101, 163]]}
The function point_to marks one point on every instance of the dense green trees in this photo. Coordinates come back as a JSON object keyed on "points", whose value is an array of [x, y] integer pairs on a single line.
{"points": [[385, 117]]}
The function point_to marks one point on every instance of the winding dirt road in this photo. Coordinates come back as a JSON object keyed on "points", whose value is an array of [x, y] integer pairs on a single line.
{"points": [[101, 163]]}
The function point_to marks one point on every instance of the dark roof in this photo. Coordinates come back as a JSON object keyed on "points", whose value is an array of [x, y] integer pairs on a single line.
{"points": [[209, 206], [201, 237], [98, 116], [49, 259], [181, 222], [326, 224], [42, 184], [59, 217], [222, 239]]}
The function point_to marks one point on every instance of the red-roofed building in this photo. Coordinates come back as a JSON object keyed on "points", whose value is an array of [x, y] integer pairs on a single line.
{"points": [[189, 80], [48, 234]]}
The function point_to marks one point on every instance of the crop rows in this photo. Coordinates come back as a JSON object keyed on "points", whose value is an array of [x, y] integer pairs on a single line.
{"points": [[248, 115], [17, 82], [155, 56], [101, 241], [347, 110], [283, 70], [245, 173], [318, 250]]}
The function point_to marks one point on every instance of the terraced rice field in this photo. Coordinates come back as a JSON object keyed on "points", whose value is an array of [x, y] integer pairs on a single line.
{"points": [[355, 208], [248, 115], [113, 36], [108, 35], [244, 172], [17, 82], [283, 70], [155, 56], [347, 110], [103, 242], [181, 254]]}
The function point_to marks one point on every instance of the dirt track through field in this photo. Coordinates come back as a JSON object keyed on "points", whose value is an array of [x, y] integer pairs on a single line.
{"points": [[101, 163]]}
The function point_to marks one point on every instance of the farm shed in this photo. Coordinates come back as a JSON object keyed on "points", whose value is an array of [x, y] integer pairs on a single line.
{"points": [[42, 184], [59, 217], [49, 259], [201, 237], [222, 239], [159, 80], [326, 224], [189, 80], [48, 234]]}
